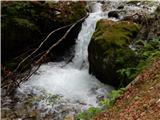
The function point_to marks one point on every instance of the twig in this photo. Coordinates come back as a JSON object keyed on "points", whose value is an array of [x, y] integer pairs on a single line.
{"points": [[30, 74], [40, 46], [36, 50], [14, 82], [59, 41]]}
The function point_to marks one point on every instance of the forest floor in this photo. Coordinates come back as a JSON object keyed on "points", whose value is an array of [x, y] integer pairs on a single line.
{"points": [[141, 100]]}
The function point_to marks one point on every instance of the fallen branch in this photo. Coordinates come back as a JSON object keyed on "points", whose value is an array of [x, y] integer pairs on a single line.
{"points": [[46, 40], [15, 70], [11, 85], [29, 75], [39, 46], [59, 41]]}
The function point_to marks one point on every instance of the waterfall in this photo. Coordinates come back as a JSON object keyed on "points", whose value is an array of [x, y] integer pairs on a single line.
{"points": [[88, 27], [73, 82]]}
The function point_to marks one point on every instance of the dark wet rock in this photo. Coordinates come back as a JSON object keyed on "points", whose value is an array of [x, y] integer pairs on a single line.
{"points": [[113, 14], [120, 7]]}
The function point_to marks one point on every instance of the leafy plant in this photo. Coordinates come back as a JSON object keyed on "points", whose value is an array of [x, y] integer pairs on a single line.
{"points": [[93, 111], [89, 114], [109, 102], [146, 52]]}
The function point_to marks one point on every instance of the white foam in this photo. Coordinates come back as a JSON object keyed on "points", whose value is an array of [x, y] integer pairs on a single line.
{"points": [[73, 84], [73, 81]]}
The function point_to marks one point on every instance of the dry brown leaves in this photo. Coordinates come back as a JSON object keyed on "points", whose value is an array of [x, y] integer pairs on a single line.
{"points": [[141, 101]]}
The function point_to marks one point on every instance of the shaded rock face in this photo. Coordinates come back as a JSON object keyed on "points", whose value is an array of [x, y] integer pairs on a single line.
{"points": [[26, 24], [109, 50]]}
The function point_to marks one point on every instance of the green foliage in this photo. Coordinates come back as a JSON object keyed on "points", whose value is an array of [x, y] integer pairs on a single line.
{"points": [[126, 73], [146, 52], [93, 111], [109, 102], [89, 114], [150, 49]]}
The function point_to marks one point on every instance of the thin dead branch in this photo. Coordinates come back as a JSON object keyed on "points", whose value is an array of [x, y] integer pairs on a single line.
{"points": [[19, 64], [14, 79], [39, 46], [58, 42]]}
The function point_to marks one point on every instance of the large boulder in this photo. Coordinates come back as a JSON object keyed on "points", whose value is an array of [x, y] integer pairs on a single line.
{"points": [[109, 50]]}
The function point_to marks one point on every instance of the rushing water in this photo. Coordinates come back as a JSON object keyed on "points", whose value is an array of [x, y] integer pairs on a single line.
{"points": [[59, 89], [76, 87]]}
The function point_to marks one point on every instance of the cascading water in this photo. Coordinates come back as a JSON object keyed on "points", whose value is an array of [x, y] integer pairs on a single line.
{"points": [[88, 27], [73, 85], [59, 89]]}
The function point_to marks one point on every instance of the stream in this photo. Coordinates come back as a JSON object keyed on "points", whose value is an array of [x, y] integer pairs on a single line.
{"points": [[61, 89]]}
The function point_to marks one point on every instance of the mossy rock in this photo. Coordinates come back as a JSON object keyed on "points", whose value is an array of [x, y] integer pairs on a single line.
{"points": [[109, 50], [25, 24]]}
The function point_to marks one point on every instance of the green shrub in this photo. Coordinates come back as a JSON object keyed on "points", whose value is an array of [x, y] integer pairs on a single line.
{"points": [[146, 52], [93, 111], [109, 102], [89, 114]]}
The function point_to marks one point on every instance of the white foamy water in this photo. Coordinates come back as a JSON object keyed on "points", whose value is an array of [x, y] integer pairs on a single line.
{"points": [[72, 82], [88, 27], [76, 89]]}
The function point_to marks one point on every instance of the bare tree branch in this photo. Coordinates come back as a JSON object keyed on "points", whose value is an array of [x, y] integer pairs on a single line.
{"points": [[11, 85], [40, 46], [59, 41]]}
